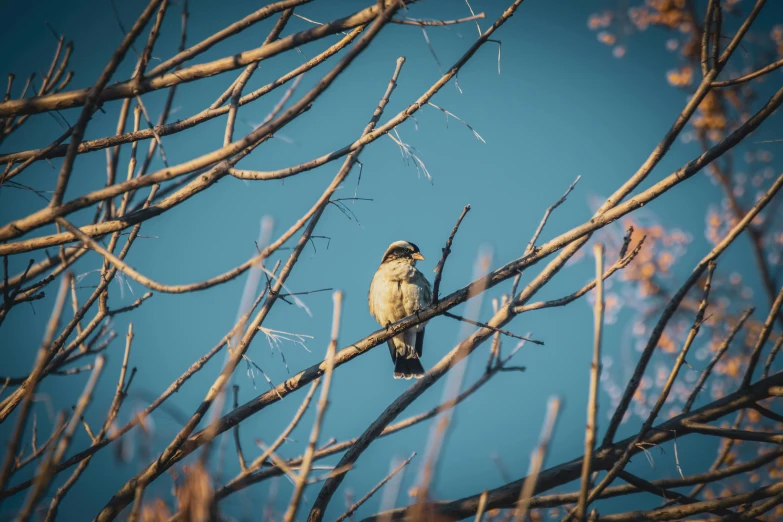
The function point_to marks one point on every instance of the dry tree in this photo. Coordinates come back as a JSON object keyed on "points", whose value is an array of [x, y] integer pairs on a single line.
{"points": [[720, 114]]}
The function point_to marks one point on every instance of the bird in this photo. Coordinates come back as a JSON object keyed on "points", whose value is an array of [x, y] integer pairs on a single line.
{"points": [[398, 290]]}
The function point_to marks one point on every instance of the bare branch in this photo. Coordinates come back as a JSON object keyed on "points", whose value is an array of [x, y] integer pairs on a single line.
{"points": [[445, 255], [595, 371], [762, 339], [379, 485], [436, 23], [307, 460], [771, 357], [537, 460], [507, 495], [531, 246], [718, 354], [92, 100]]}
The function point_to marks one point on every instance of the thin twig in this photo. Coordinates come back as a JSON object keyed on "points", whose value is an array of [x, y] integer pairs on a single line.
{"points": [[92, 100], [531, 246], [307, 460], [379, 485], [436, 23], [620, 264], [240, 455], [595, 372], [762, 339], [771, 357], [755, 74], [45, 475], [497, 330], [721, 350], [445, 254], [537, 459], [35, 376]]}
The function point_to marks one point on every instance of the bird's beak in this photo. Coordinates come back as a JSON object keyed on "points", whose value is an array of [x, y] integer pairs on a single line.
{"points": [[417, 256]]}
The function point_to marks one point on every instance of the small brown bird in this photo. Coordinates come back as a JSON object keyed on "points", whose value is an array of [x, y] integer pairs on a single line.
{"points": [[398, 290]]}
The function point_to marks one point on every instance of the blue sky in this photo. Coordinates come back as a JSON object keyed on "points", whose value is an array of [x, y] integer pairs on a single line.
{"points": [[561, 107]]}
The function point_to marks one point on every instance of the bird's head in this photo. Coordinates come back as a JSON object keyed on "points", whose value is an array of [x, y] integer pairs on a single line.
{"points": [[402, 251]]}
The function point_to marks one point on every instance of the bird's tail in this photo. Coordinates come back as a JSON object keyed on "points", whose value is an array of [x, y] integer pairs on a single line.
{"points": [[408, 368]]}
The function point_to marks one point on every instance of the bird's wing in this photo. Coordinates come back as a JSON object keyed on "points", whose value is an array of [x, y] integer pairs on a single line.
{"points": [[426, 292], [419, 342], [385, 300], [392, 350], [416, 293]]}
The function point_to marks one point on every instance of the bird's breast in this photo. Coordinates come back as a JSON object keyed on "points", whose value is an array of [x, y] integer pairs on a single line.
{"points": [[397, 290]]}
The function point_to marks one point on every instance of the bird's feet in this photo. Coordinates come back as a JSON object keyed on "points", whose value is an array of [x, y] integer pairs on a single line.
{"points": [[388, 326]]}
